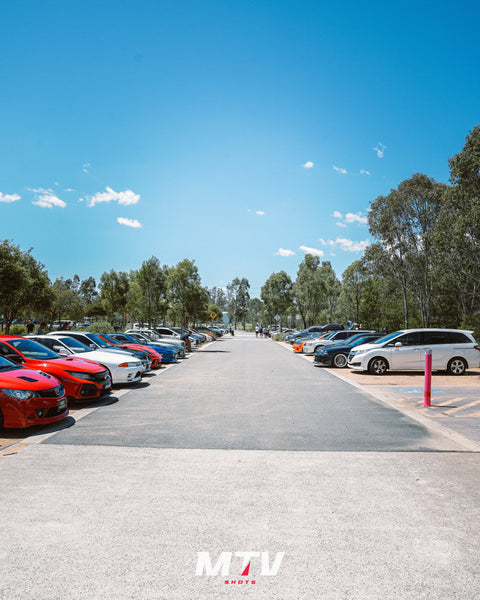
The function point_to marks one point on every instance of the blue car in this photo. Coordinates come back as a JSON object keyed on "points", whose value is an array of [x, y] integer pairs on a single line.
{"points": [[337, 354], [168, 355]]}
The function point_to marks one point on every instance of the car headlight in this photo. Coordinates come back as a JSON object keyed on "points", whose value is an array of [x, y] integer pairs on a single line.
{"points": [[357, 352], [130, 364], [81, 375], [19, 394]]}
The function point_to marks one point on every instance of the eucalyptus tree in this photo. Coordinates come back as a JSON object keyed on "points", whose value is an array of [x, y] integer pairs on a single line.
{"points": [[238, 299], [277, 295], [256, 311], [355, 278], [309, 290], [458, 233], [151, 279], [24, 284], [188, 299], [114, 293], [404, 224]]}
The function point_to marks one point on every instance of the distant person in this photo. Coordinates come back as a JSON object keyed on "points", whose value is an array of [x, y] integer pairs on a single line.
{"points": [[385, 330], [256, 330], [41, 329], [30, 326], [260, 330]]}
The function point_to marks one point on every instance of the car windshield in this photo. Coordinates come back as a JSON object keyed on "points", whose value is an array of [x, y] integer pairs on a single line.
{"points": [[123, 338], [98, 340], [105, 336], [7, 365], [75, 345], [356, 341], [32, 349], [385, 338], [138, 337]]}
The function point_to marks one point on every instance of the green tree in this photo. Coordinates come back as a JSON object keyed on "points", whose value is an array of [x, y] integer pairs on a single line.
{"points": [[152, 281], [238, 298], [188, 298], [354, 281], [404, 224], [114, 294], [256, 311], [309, 290], [277, 295], [24, 284]]}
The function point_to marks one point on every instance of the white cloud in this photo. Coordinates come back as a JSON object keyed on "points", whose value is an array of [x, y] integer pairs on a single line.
{"points": [[125, 198], [351, 246], [308, 164], [129, 222], [340, 170], [349, 218], [47, 199], [85, 167], [9, 197], [378, 150], [363, 172], [260, 213], [284, 252], [312, 251], [357, 217], [346, 244]]}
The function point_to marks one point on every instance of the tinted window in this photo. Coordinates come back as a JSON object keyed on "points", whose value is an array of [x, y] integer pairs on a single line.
{"points": [[458, 338], [437, 337], [414, 338], [32, 349]]}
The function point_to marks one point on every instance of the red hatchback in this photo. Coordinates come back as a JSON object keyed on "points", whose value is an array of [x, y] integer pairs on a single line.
{"points": [[82, 379], [28, 397]]}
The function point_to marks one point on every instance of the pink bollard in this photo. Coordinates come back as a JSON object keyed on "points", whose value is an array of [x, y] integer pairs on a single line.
{"points": [[427, 390]]}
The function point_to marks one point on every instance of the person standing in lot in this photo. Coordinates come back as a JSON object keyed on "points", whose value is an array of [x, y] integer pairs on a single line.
{"points": [[30, 326], [41, 329]]}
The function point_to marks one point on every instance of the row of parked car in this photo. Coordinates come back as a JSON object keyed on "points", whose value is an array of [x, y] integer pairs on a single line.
{"points": [[453, 350], [41, 374]]}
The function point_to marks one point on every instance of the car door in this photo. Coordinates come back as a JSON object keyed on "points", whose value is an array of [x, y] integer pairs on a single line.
{"points": [[407, 351]]}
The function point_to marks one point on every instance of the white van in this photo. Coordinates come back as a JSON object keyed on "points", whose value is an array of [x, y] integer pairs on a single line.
{"points": [[453, 350]]}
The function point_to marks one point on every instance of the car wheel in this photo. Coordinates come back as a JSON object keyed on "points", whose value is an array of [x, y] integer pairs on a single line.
{"points": [[456, 366], [378, 366], [340, 361]]}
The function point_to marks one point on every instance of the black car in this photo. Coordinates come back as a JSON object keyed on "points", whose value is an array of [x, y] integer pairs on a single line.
{"points": [[337, 355]]}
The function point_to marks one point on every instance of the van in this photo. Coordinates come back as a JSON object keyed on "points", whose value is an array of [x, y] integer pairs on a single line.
{"points": [[453, 350]]}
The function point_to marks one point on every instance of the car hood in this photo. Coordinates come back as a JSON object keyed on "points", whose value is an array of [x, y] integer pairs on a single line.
{"points": [[70, 363], [107, 357], [27, 379]]}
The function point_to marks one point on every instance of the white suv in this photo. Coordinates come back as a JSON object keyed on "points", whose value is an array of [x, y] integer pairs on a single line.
{"points": [[453, 350]]}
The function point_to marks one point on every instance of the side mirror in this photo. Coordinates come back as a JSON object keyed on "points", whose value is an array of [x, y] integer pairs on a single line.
{"points": [[398, 344], [93, 347], [61, 350]]}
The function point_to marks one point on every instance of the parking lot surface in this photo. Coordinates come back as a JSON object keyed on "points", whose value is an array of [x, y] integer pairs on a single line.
{"points": [[230, 452]]}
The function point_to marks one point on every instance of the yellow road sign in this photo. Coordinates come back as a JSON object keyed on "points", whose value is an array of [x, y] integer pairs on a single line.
{"points": [[213, 315]]}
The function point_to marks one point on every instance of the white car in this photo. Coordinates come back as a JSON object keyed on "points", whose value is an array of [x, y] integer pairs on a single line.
{"points": [[154, 336], [310, 346], [123, 367], [453, 350]]}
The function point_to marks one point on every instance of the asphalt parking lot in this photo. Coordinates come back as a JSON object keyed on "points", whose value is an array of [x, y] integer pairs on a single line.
{"points": [[455, 400]]}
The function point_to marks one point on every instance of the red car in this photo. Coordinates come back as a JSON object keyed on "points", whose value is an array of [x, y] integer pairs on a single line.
{"points": [[28, 397], [155, 357], [82, 379]]}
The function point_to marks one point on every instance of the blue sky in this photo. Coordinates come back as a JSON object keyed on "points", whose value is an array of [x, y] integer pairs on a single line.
{"points": [[238, 134]]}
